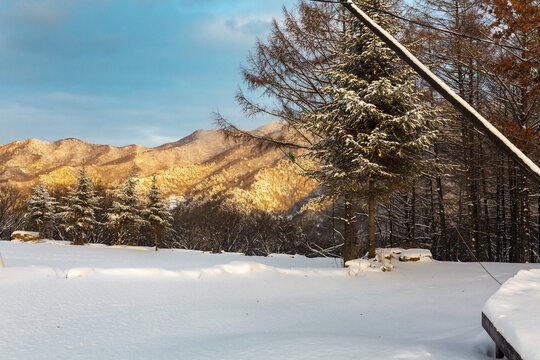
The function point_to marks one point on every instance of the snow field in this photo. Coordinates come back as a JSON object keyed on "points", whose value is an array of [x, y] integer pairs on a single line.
{"points": [[96, 302]]}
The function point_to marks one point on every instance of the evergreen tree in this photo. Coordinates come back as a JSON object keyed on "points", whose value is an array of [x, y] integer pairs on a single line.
{"points": [[40, 208], [78, 216], [375, 129], [125, 216], [156, 213]]}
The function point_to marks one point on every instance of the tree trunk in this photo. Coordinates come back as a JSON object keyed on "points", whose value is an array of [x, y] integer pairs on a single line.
{"points": [[514, 206], [79, 238], [504, 245], [442, 219], [487, 222], [412, 235], [472, 197], [525, 231], [391, 224], [538, 232], [371, 212], [499, 218], [435, 238], [349, 251], [460, 220]]}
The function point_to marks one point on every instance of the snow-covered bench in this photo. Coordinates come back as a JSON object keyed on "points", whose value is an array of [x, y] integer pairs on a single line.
{"points": [[512, 317]]}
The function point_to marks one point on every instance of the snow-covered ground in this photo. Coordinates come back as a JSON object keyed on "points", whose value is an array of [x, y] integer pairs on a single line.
{"points": [[59, 301]]}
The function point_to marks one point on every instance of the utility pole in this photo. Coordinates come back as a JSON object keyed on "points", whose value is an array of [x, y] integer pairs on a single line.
{"points": [[461, 105]]}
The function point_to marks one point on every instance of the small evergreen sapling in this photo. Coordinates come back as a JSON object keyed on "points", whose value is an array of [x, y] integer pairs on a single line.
{"points": [[157, 213]]}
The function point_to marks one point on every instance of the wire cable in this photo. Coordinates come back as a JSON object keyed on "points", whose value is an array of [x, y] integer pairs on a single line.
{"points": [[474, 256], [451, 32]]}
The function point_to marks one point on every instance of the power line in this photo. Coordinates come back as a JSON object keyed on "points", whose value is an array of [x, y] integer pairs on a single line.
{"points": [[455, 33], [474, 256]]}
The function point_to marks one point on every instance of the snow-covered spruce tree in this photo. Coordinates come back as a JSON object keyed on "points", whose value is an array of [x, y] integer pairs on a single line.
{"points": [[157, 213], [78, 215], [40, 208], [125, 215], [375, 128]]}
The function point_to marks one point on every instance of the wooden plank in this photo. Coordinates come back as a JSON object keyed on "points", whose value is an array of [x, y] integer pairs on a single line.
{"points": [[502, 346]]}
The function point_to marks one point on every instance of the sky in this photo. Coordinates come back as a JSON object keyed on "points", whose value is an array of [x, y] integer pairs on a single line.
{"points": [[125, 72]]}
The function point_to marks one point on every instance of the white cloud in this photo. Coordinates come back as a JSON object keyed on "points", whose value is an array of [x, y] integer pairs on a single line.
{"points": [[237, 30], [155, 136]]}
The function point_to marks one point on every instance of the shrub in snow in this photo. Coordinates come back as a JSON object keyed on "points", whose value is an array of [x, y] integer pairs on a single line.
{"points": [[357, 266], [25, 235], [416, 255]]}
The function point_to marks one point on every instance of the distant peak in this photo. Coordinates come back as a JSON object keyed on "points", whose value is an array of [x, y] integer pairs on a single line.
{"points": [[269, 128], [70, 139], [31, 142]]}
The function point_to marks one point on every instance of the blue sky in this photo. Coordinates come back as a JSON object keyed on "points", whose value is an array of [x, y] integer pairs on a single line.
{"points": [[124, 71]]}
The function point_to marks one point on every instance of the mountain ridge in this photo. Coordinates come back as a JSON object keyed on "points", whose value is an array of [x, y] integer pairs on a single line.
{"points": [[203, 163]]}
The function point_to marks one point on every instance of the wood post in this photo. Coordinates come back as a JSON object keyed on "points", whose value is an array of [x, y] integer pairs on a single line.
{"points": [[502, 347]]}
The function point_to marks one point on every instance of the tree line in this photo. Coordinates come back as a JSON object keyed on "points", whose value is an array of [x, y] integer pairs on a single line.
{"points": [[86, 213], [91, 213]]}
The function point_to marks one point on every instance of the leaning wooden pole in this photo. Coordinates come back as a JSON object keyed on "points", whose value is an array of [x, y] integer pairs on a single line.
{"points": [[467, 110]]}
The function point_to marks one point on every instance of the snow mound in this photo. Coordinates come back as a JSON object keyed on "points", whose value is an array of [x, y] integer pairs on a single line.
{"points": [[416, 255], [78, 272], [131, 247], [25, 235], [357, 266], [244, 267], [65, 243], [232, 268], [145, 273], [273, 255], [514, 311], [387, 252]]}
